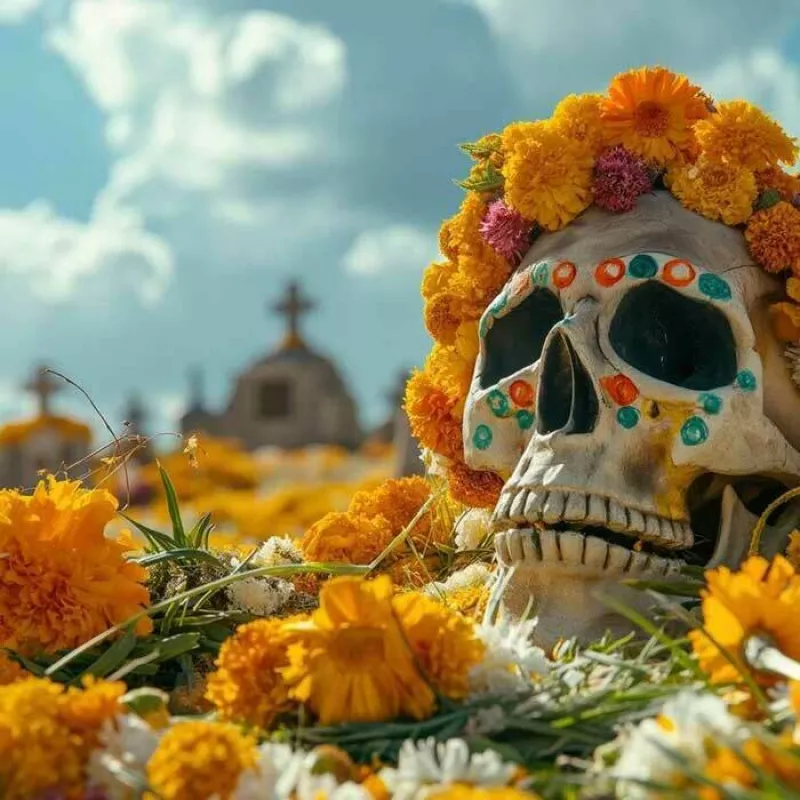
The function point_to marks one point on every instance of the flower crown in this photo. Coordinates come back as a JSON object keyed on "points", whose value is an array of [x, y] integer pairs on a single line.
{"points": [[653, 129]]}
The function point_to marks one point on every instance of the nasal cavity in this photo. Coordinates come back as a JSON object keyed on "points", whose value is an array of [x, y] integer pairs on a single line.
{"points": [[567, 401]]}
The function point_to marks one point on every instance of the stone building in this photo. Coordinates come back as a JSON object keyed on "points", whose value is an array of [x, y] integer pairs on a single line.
{"points": [[291, 397]]}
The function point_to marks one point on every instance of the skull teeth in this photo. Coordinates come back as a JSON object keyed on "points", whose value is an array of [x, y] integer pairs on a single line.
{"points": [[551, 507], [525, 547]]}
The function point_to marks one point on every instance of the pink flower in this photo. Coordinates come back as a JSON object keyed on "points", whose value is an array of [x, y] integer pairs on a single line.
{"points": [[506, 231], [620, 178]]}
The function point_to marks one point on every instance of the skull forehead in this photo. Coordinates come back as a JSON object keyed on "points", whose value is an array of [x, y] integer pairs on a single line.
{"points": [[659, 223]]}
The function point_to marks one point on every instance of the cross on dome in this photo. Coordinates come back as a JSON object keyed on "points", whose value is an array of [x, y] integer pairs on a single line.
{"points": [[43, 386], [292, 306]]}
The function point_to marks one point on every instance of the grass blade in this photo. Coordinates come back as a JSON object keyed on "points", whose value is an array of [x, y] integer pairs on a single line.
{"points": [[178, 532]]}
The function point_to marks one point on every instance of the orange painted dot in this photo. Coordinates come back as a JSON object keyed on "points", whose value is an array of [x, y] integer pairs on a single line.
{"points": [[678, 272], [620, 388], [564, 274], [520, 283], [610, 271], [521, 393]]}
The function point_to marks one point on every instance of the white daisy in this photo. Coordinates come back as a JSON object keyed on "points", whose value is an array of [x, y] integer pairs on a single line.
{"points": [[476, 574], [260, 596], [274, 777], [472, 528], [277, 551]]}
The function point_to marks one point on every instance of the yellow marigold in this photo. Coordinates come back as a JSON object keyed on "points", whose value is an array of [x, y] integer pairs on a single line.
{"points": [[478, 280], [61, 580], [354, 643], [198, 760], [440, 321], [443, 642], [744, 134], [460, 235], [774, 238], [473, 488], [437, 277], [451, 372], [651, 112], [431, 416], [762, 598], [10, 671], [577, 117], [464, 791], [782, 182], [345, 537], [786, 322], [718, 190], [548, 177], [467, 343], [793, 554], [85, 709], [247, 685]]}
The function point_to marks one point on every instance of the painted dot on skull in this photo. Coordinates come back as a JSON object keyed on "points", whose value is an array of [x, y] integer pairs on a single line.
{"points": [[482, 437], [620, 388], [564, 274], [643, 266], [714, 287], [628, 417], [522, 393], [710, 403], [678, 272], [694, 431], [499, 304], [498, 403], [541, 274], [521, 283], [609, 272], [524, 419], [746, 381]]}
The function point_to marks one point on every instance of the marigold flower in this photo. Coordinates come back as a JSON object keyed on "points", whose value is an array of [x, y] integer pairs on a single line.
{"points": [[444, 642], [782, 182], [478, 280], [761, 598], [473, 488], [651, 111], [786, 322], [506, 231], [354, 643], [452, 372], [437, 278], [247, 686], [397, 501], [440, 321], [344, 537], [793, 556], [431, 417], [620, 178], [774, 238], [463, 791], [62, 581], [460, 235], [742, 133], [718, 190], [10, 671], [198, 759], [577, 117], [548, 177]]}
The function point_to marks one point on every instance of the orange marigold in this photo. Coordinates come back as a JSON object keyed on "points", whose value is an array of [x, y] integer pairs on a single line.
{"points": [[431, 417], [717, 190], [473, 488], [247, 686], [440, 320], [397, 501], [742, 133], [451, 372], [548, 176], [61, 580], [346, 538], [477, 281], [774, 238], [443, 641], [786, 321], [651, 111], [460, 235], [782, 182], [10, 671], [437, 277], [577, 117]]}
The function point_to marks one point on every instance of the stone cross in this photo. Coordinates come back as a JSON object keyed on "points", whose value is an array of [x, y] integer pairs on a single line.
{"points": [[293, 306], [43, 386]]}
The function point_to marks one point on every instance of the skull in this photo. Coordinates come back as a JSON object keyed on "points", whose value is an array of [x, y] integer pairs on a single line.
{"points": [[631, 394]]}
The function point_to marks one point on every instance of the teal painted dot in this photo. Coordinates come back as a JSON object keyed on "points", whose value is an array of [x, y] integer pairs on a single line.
{"points": [[499, 304], [714, 287], [694, 431], [498, 402], [643, 266], [524, 419], [746, 381], [628, 417], [711, 403], [541, 274], [482, 437]]}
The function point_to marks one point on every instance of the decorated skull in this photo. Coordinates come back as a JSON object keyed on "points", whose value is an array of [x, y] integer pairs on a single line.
{"points": [[632, 396]]}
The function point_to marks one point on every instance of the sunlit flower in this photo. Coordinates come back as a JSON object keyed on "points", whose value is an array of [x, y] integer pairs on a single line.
{"points": [[651, 112], [354, 642], [440, 320], [774, 238], [431, 417], [275, 774], [437, 278], [577, 117], [451, 372], [473, 528], [347, 538], [466, 591], [718, 190], [199, 759], [743, 134], [462, 792], [247, 685], [762, 598], [548, 176], [473, 488], [277, 551]]}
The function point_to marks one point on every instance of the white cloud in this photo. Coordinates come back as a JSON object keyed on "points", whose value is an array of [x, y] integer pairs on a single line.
{"points": [[15, 11], [57, 255], [389, 250]]}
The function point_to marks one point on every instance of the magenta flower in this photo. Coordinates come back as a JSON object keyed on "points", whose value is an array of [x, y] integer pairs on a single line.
{"points": [[620, 178], [506, 231]]}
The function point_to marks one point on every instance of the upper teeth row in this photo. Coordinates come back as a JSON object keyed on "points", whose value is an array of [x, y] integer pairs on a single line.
{"points": [[552, 506]]}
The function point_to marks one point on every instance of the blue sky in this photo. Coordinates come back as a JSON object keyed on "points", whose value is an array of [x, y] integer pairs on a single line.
{"points": [[167, 166]]}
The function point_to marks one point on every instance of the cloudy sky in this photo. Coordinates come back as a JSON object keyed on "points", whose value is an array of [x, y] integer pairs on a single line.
{"points": [[166, 165]]}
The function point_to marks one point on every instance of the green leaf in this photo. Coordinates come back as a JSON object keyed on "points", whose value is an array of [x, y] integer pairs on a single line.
{"points": [[158, 541], [175, 646], [183, 554], [198, 535], [483, 148], [178, 533], [114, 656], [486, 179], [767, 199]]}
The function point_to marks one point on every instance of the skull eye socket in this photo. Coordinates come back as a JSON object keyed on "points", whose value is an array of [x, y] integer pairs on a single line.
{"points": [[673, 338], [516, 340]]}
